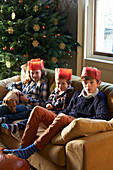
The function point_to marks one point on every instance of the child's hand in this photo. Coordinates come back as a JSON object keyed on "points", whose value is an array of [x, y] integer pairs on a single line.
{"points": [[23, 98], [18, 92], [49, 106]]}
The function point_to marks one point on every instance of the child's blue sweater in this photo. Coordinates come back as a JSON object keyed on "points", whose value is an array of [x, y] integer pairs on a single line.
{"points": [[94, 107]]}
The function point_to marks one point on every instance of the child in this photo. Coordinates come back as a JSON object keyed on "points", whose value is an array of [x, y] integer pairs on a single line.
{"points": [[89, 102], [58, 99], [33, 91]]}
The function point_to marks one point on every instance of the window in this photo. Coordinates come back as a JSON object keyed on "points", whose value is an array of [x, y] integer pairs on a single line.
{"points": [[98, 30], [103, 27]]}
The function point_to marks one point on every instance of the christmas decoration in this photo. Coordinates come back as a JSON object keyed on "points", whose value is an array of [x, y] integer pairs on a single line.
{"points": [[32, 29], [55, 21], [11, 48], [8, 64], [54, 59], [35, 9], [43, 27], [35, 43], [20, 1], [62, 46], [10, 30], [4, 48], [13, 15], [36, 27], [1, 9], [44, 36]]}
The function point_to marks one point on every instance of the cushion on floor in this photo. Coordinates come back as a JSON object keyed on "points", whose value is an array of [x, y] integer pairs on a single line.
{"points": [[9, 161]]}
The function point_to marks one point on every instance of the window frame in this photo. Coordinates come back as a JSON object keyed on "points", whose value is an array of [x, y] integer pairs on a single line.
{"points": [[94, 48], [90, 33]]}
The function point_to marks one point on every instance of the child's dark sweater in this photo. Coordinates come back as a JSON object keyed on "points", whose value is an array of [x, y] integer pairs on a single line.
{"points": [[94, 107]]}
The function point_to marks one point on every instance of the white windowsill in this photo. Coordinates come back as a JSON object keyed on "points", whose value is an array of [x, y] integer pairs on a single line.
{"points": [[107, 60]]}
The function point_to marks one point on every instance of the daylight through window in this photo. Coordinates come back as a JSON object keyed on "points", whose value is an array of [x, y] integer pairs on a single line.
{"points": [[103, 28]]}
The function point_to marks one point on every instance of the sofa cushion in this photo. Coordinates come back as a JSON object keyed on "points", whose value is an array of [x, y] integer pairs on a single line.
{"points": [[81, 127], [3, 83], [110, 103], [9, 161]]}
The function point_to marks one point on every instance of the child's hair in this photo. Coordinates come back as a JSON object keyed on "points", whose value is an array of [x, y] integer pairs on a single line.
{"points": [[88, 78], [68, 81], [27, 78]]}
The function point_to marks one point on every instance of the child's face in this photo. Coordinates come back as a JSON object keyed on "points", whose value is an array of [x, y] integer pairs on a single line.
{"points": [[90, 85], [35, 75], [62, 84]]}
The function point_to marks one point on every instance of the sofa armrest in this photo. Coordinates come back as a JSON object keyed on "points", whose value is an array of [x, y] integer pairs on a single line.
{"points": [[91, 152], [3, 84]]}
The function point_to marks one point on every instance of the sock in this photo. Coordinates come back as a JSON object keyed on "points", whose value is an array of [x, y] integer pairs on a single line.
{"points": [[2, 120], [21, 147], [24, 153], [14, 127]]}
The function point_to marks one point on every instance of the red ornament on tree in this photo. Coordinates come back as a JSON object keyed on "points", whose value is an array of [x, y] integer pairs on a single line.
{"points": [[47, 7], [11, 48], [69, 51], [20, 1], [44, 36], [43, 27], [4, 48]]}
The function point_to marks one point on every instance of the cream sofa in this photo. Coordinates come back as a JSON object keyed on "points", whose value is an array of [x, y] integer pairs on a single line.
{"points": [[92, 151]]}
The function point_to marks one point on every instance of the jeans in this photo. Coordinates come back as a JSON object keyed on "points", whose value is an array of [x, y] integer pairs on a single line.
{"points": [[21, 113]]}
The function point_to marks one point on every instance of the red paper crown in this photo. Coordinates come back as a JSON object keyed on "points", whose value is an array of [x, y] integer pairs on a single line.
{"points": [[35, 64], [63, 73], [91, 72]]}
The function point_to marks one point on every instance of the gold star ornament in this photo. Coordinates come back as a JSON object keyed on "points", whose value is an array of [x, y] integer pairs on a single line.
{"points": [[35, 9], [36, 27], [54, 59], [35, 43], [62, 46], [10, 30]]}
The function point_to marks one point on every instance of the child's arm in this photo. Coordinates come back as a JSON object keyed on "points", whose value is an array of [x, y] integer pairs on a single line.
{"points": [[69, 107], [48, 103], [101, 109], [15, 85], [49, 106]]}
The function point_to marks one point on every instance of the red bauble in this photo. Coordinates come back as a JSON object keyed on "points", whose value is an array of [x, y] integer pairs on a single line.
{"points": [[11, 48], [20, 1], [4, 48], [47, 7], [44, 36], [43, 27], [69, 51]]}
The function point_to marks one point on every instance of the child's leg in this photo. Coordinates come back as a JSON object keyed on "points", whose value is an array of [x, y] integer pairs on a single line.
{"points": [[23, 153], [38, 114], [58, 124], [15, 127], [2, 120], [3, 112]]}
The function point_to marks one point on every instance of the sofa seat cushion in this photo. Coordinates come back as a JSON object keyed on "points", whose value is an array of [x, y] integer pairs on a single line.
{"points": [[54, 154], [81, 127]]}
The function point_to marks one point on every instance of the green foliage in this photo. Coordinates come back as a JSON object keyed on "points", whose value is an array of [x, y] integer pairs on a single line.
{"points": [[33, 22]]}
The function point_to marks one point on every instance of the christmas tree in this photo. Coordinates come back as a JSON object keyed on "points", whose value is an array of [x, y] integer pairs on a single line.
{"points": [[31, 29]]}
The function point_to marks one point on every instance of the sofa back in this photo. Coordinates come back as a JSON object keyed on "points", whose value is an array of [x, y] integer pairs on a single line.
{"points": [[105, 88]]}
